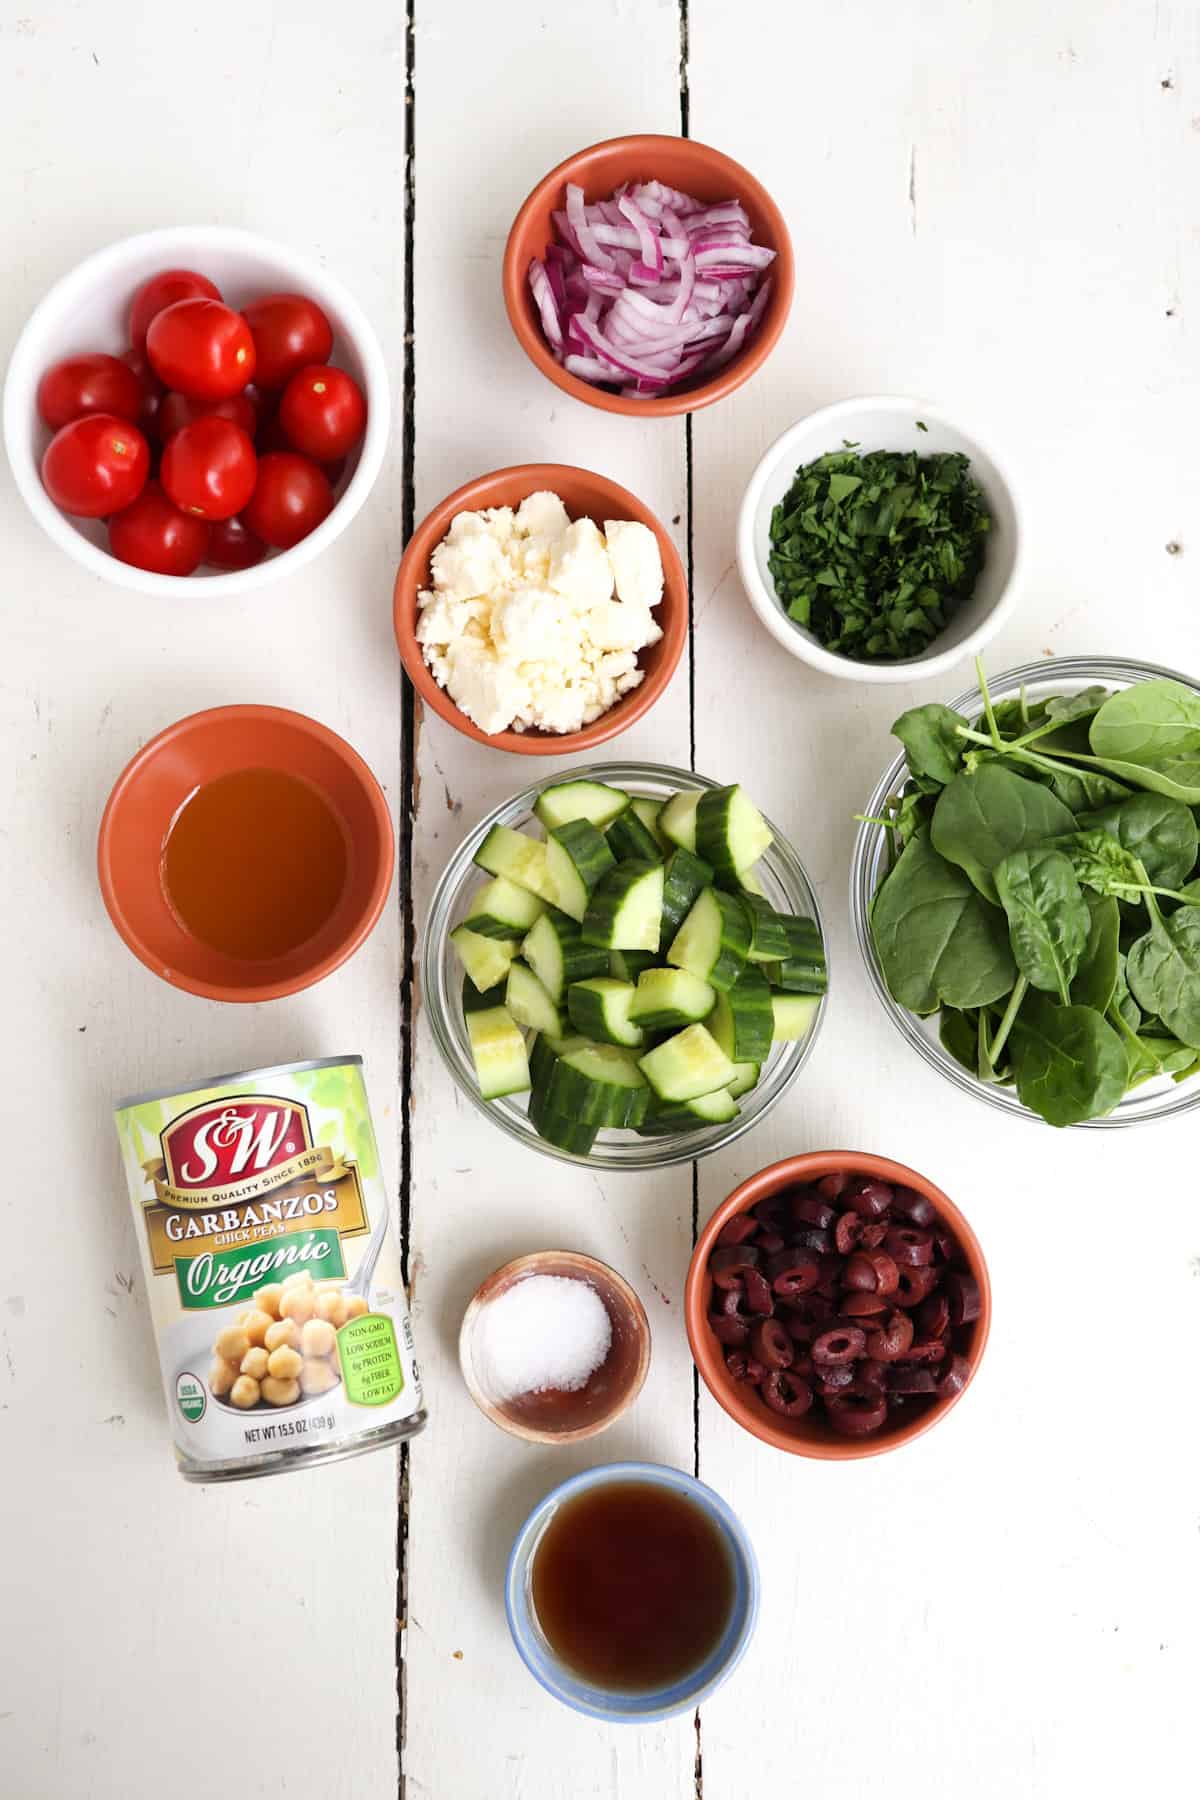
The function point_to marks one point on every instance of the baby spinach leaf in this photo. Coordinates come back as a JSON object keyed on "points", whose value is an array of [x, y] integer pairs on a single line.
{"points": [[1102, 863], [1095, 982], [1177, 777], [958, 1033], [937, 940], [930, 735], [1069, 1063], [1048, 918], [1163, 971], [1123, 1001], [1149, 723], [1160, 832], [983, 817]]}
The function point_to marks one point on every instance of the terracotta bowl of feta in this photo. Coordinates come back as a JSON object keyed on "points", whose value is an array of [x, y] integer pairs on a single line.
{"points": [[541, 609]]}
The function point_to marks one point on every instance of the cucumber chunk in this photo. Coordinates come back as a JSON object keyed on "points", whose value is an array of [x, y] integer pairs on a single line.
{"points": [[598, 1085], [557, 1129], [599, 1007], [632, 841], [571, 800], [803, 970], [517, 857], [667, 998], [625, 911], [745, 1077], [743, 1021], [768, 932], [577, 857], [649, 812], [627, 965], [677, 820], [684, 880], [501, 909], [498, 1052], [716, 1108], [713, 940], [486, 960], [687, 1065], [474, 1001], [557, 954], [731, 833], [529, 1003], [745, 882], [794, 1013], [544, 1052]]}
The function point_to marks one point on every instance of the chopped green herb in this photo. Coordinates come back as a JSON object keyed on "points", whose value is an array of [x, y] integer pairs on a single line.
{"points": [[874, 554], [921, 425]]}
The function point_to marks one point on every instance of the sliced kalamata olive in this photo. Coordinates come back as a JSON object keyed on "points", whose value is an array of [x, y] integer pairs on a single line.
{"points": [[811, 1237], [802, 1365], [769, 1242], [858, 1273], [786, 1394], [962, 1293], [908, 1204], [738, 1230], [816, 1308], [727, 1264], [955, 1377], [770, 1343], [865, 1308], [754, 1370], [914, 1284], [847, 1232], [728, 1330], [793, 1272], [832, 1186], [909, 1245], [772, 1211], [730, 1303], [840, 1345], [757, 1290], [903, 1379], [857, 1415], [736, 1361], [869, 1198], [873, 1234], [891, 1339], [946, 1244], [925, 1350], [871, 1373], [809, 1209], [833, 1377], [801, 1331], [933, 1316]]}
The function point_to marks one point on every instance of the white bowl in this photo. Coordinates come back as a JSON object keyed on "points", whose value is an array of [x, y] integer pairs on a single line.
{"points": [[89, 310], [880, 422]]}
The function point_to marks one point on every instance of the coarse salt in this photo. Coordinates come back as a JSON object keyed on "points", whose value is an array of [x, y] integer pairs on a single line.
{"points": [[546, 1331]]}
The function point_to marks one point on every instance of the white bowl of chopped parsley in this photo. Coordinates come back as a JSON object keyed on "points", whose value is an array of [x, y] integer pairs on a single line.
{"points": [[878, 542]]}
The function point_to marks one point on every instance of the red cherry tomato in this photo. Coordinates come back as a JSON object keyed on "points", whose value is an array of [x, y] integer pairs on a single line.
{"points": [[289, 331], [154, 534], [202, 348], [208, 468], [323, 412], [177, 410], [164, 290], [231, 546], [88, 384], [96, 465], [152, 389], [291, 498]]}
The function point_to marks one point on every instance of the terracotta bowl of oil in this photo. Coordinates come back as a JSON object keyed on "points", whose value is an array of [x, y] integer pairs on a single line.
{"points": [[245, 853]]}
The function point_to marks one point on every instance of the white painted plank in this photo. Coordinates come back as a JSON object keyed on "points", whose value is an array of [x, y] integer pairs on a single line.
{"points": [[999, 1609]]}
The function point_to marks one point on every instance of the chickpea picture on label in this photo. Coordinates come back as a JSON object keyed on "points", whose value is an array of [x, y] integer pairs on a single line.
{"points": [[283, 1346]]}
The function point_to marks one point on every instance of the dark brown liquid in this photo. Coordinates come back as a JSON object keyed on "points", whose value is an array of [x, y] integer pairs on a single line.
{"points": [[632, 1585], [254, 863]]}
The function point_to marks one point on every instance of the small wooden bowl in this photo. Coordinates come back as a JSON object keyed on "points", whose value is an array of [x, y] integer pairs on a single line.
{"points": [[556, 1417], [585, 495]]}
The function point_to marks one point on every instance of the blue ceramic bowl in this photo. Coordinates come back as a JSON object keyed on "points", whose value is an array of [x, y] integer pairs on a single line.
{"points": [[641, 1708]]}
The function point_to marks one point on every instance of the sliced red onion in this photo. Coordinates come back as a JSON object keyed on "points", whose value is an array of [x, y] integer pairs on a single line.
{"points": [[584, 232], [539, 283], [649, 245]]}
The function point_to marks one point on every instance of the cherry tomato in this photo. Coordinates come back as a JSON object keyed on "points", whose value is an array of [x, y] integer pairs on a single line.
{"points": [[96, 465], [334, 471], [202, 348], [231, 546], [164, 290], [291, 498], [177, 410], [152, 389], [154, 534], [208, 468], [289, 331], [323, 412], [88, 384]]}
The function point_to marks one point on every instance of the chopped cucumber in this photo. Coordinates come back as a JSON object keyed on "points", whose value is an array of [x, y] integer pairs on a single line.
{"points": [[716, 1108], [598, 1084], [498, 1052], [625, 911], [486, 960], [544, 1052], [631, 841], [517, 857], [627, 965], [599, 1007], [713, 940], [557, 1129], [667, 998], [572, 800], [474, 1001], [768, 931], [557, 954], [803, 970], [745, 1077], [677, 820], [745, 882], [529, 1003], [576, 859], [684, 879], [686, 1065], [794, 1013], [648, 811], [501, 909], [743, 1021], [731, 833]]}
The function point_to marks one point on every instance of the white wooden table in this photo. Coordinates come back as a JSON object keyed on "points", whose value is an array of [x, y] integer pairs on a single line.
{"points": [[993, 206]]}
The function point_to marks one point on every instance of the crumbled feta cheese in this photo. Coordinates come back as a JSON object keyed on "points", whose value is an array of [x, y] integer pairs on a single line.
{"points": [[636, 563], [542, 515], [579, 565]]}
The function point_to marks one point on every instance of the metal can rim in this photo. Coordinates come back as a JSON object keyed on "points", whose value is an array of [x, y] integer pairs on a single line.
{"points": [[175, 1092]]}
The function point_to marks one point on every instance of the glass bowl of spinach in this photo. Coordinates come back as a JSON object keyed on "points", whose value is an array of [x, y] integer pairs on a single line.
{"points": [[1025, 889]]}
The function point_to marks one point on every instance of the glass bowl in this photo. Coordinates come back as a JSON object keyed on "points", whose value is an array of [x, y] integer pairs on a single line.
{"points": [[1157, 1099], [786, 886]]}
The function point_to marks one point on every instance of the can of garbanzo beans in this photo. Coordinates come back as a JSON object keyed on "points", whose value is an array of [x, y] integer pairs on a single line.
{"points": [[273, 1279]]}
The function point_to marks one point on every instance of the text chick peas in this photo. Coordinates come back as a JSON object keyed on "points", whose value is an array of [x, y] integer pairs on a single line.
{"points": [[284, 1345]]}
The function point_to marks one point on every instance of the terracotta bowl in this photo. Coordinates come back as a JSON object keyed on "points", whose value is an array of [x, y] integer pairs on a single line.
{"points": [[680, 163], [154, 786], [557, 1417], [809, 1436], [584, 495]]}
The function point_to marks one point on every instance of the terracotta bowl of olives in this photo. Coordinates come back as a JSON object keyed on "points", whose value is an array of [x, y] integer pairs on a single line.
{"points": [[838, 1304]]}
